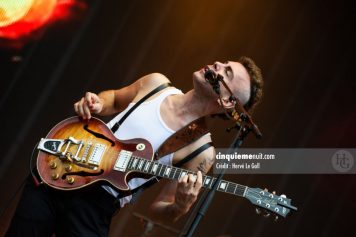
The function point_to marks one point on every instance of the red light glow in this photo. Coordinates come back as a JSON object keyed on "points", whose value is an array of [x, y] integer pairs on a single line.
{"points": [[24, 20]]}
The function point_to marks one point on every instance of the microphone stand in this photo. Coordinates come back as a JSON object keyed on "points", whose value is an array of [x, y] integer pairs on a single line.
{"points": [[207, 199], [244, 126]]}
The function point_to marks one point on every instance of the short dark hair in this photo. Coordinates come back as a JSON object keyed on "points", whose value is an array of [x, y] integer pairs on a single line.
{"points": [[256, 82], [256, 87]]}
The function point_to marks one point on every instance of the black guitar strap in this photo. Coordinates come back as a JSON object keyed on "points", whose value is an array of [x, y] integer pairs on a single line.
{"points": [[154, 91], [193, 154]]}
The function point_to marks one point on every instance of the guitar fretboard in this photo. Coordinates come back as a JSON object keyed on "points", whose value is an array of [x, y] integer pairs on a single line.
{"points": [[174, 173]]}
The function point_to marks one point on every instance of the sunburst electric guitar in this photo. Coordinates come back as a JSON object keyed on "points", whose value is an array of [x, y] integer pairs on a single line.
{"points": [[78, 153]]}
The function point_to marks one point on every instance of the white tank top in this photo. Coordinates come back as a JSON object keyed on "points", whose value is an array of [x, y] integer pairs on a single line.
{"points": [[144, 122]]}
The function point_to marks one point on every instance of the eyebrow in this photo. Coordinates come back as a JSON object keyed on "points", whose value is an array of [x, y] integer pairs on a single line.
{"points": [[229, 68]]}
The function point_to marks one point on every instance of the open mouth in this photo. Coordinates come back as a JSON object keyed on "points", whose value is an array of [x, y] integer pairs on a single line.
{"points": [[205, 70]]}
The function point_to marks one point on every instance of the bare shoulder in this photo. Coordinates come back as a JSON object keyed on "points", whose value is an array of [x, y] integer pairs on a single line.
{"points": [[152, 80], [202, 161], [149, 82]]}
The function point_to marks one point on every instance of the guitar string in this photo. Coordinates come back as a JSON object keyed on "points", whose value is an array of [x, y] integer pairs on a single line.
{"points": [[238, 188], [115, 154]]}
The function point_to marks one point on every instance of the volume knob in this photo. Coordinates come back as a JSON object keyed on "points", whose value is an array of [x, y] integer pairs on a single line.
{"points": [[55, 176], [70, 180], [53, 165], [68, 168]]}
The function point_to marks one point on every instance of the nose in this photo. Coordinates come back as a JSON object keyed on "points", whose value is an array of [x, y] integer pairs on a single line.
{"points": [[217, 66]]}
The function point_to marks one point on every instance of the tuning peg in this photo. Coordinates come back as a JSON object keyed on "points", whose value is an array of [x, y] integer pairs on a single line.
{"points": [[276, 218], [258, 211], [283, 196]]}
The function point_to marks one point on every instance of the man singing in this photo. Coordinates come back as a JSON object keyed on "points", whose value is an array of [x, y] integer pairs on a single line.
{"points": [[43, 211]]}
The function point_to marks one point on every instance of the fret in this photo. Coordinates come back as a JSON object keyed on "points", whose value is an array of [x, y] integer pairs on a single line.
{"points": [[207, 181], [240, 190], [146, 166], [140, 164], [244, 194], [154, 168], [130, 162], [231, 188], [167, 171], [134, 163], [204, 177], [171, 175], [159, 169], [235, 188], [222, 185], [162, 170], [211, 183], [183, 173], [177, 174], [149, 169]]}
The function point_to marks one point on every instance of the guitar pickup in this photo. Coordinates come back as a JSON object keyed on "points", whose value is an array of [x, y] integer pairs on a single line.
{"points": [[97, 154], [122, 160]]}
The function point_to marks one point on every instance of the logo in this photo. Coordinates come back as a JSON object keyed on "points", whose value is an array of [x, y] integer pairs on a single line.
{"points": [[342, 161]]}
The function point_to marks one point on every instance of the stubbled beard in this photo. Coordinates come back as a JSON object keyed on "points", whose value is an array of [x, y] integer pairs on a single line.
{"points": [[203, 88]]}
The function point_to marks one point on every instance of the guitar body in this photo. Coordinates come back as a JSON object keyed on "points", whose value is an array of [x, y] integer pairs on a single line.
{"points": [[77, 153]]}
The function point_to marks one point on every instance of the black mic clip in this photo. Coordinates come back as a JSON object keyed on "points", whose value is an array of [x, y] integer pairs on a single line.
{"points": [[213, 79]]}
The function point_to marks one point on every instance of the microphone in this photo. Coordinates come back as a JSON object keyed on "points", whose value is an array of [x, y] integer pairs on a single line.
{"points": [[213, 80]]}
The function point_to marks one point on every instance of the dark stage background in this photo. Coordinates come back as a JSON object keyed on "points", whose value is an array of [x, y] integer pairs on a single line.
{"points": [[305, 49]]}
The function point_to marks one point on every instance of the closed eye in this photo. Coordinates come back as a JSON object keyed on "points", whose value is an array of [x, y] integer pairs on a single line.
{"points": [[229, 72], [227, 69]]}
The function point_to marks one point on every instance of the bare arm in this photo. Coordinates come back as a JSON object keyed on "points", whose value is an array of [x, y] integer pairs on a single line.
{"points": [[113, 101], [176, 198]]}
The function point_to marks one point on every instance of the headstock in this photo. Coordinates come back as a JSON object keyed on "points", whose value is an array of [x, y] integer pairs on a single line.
{"points": [[280, 205]]}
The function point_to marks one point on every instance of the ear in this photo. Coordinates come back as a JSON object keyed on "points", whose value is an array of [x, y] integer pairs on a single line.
{"points": [[226, 103]]}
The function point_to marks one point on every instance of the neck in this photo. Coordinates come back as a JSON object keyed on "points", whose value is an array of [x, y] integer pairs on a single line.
{"points": [[191, 106]]}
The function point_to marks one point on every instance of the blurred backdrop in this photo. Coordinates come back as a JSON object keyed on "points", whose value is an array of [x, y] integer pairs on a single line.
{"points": [[306, 50]]}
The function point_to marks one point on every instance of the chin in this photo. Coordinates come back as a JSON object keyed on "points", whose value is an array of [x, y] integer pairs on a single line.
{"points": [[198, 79], [198, 76], [201, 85]]}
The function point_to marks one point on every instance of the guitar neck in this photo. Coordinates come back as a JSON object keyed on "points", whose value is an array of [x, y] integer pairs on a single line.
{"points": [[174, 173]]}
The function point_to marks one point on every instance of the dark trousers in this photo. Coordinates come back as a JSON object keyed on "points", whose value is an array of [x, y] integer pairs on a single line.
{"points": [[43, 211]]}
